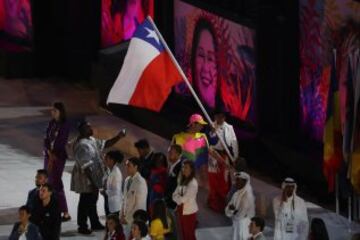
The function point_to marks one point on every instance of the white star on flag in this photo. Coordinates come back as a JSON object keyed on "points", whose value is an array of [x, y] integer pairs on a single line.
{"points": [[152, 34]]}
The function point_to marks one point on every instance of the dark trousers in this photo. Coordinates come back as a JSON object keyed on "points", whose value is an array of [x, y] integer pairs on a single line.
{"points": [[106, 204], [87, 209]]}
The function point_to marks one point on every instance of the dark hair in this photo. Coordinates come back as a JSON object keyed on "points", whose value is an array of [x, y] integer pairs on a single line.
{"points": [[185, 180], [177, 148], [84, 129], [159, 211], [141, 215], [134, 161], [24, 208], [48, 186], [318, 229], [201, 25], [81, 124], [259, 222], [118, 226], [142, 227], [61, 107], [42, 172], [115, 155], [161, 158], [220, 109], [142, 144]]}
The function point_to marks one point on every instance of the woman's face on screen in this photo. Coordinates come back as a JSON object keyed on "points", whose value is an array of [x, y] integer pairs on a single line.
{"points": [[205, 68]]}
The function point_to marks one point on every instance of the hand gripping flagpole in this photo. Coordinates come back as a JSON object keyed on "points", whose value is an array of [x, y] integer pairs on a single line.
{"points": [[190, 87]]}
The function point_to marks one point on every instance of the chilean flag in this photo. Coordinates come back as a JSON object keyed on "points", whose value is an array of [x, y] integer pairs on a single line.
{"points": [[148, 73]]}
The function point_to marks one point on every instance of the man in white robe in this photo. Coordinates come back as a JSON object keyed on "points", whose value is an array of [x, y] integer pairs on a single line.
{"points": [[241, 207], [291, 218]]}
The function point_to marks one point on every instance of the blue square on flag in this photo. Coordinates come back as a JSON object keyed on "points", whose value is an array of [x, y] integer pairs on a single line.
{"points": [[146, 32]]}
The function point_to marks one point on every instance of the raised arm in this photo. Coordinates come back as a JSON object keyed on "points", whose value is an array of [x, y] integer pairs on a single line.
{"points": [[110, 142]]}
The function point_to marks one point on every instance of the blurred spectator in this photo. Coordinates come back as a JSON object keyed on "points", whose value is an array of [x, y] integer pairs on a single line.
{"points": [[256, 228], [241, 207], [185, 198], [56, 138], [135, 194], [141, 215], [33, 195], [160, 221], [139, 231], [219, 164], [24, 229], [114, 181], [195, 146], [114, 230], [291, 218], [175, 160], [46, 214], [146, 158], [87, 175], [158, 178], [318, 230]]}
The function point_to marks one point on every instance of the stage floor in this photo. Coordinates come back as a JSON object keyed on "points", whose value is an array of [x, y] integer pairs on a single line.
{"points": [[22, 123]]}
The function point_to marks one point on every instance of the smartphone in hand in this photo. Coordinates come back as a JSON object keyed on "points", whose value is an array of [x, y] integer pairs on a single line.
{"points": [[123, 132]]}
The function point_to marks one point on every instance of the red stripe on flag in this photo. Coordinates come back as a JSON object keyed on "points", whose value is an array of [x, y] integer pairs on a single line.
{"points": [[155, 83]]}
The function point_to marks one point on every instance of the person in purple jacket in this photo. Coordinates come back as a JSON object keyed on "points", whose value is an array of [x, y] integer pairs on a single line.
{"points": [[55, 155]]}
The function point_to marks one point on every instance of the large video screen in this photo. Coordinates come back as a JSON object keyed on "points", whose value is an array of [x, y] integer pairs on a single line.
{"points": [[119, 19], [15, 25], [329, 45], [218, 57]]}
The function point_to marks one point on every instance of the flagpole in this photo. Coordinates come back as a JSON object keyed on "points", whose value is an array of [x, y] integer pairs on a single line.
{"points": [[337, 202], [190, 87]]}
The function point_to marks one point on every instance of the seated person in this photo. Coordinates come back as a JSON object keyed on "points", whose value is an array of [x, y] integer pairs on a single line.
{"points": [[114, 230], [46, 214], [161, 223], [139, 231], [40, 179], [24, 229], [141, 215]]}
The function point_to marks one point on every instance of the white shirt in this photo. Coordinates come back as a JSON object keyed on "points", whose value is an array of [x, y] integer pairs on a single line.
{"points": [[226, 131], [147, 237], [292, 212], [256, 235], [113, 189], [22, 236]]}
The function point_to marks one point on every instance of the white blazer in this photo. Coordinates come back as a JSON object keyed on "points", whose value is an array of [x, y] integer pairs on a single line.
{"points": [[135, 197], [187, 195], [113, 189]]}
